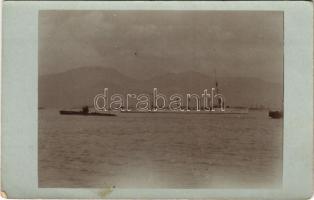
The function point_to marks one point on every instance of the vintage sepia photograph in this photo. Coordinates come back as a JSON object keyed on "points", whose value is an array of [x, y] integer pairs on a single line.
{"points": [[182, 99]]}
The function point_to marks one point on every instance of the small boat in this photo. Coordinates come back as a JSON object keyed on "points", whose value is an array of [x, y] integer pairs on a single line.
{"points": [[275, 114], [85, 112]]}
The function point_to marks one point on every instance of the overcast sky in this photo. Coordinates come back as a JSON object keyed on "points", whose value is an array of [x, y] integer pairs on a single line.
{"points": [[244, 44]]}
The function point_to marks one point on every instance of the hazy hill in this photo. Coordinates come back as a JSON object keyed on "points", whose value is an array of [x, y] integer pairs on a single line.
{"points": [[79, 86]]}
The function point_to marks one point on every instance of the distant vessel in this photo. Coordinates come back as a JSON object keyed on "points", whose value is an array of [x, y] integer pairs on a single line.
{"points": [[215, 109], [85, 112], [275, 114]]}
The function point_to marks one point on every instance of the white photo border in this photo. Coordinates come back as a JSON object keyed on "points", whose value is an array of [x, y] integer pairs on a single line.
{"points": [[20, 98]]}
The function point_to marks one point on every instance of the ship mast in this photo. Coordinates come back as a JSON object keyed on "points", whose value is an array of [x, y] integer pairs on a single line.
{"points": [[216, 89], [216, 82]]}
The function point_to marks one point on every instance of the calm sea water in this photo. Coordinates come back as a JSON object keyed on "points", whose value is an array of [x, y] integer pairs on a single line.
{"points": [[159, 150]]}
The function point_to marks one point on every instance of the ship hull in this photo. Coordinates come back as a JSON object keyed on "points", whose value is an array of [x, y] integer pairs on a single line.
{"points": [[217, 111], [65, 112]]}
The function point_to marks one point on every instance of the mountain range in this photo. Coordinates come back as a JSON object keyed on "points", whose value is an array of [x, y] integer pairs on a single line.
{"points": [[77, 87]]}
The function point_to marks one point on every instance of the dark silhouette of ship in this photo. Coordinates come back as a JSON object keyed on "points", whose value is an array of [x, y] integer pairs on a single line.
{"points": [[85, 112], [275, 114]]}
